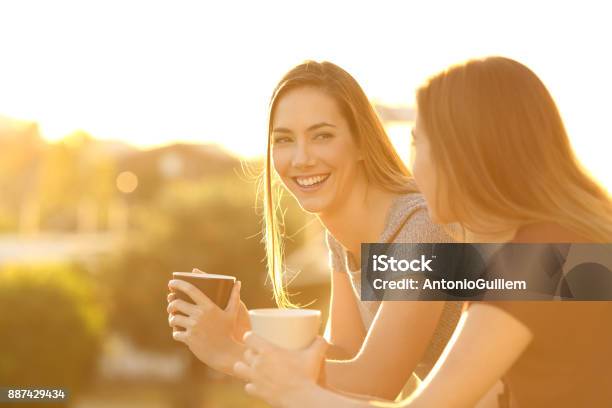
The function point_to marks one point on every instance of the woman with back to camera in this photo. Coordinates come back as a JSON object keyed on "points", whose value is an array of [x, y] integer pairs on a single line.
{"points": [[327, 146], [489, 136]]}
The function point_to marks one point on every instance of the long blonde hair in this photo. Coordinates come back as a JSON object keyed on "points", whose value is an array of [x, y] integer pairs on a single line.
{"points": [[383, 167], [502, 153]]}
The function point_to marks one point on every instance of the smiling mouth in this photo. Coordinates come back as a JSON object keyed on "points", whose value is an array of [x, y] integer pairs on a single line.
{"points": [[311, 181]]}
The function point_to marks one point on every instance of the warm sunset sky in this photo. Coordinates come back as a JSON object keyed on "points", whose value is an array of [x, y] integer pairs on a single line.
{"points": [[155, 72]]}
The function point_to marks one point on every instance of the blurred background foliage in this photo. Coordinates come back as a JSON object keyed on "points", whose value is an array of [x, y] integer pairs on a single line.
{"points": [[52, 323]]}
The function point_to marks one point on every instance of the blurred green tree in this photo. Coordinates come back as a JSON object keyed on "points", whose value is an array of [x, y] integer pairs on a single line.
{"points": [[52, 324]]}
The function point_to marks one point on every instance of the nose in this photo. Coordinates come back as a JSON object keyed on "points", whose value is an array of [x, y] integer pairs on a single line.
{"points": [[302, 157]]}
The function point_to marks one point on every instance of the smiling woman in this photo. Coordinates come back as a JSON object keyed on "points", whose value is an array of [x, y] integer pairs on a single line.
{"points": [[328, 148], [326, 143], [317, 162]]}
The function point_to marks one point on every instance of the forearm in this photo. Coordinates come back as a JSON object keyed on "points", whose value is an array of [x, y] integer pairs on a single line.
{"points": [[352, 377], [337, 352], [316, 396], [390, 352]]}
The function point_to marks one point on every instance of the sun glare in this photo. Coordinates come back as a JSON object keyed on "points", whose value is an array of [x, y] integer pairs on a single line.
{"points": [[151, 74]]}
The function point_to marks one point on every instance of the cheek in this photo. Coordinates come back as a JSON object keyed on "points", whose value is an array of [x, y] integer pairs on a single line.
{"points": [[342, 156], [424, 175], [421, 171], [281, 160]]}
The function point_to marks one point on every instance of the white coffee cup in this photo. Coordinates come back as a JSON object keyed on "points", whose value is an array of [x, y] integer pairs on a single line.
{"points": [[293, 329]]}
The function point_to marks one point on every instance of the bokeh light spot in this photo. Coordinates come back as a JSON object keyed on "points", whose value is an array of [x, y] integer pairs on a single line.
{"points": [[127, 182]]}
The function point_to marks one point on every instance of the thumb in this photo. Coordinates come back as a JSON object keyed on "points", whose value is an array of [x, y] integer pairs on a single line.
{"points": [[234, 301], [196, 270]]}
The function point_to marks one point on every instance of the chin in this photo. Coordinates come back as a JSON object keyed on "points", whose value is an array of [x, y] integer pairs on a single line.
{"points": [[311, 204], [314, 205], [312, 208]]}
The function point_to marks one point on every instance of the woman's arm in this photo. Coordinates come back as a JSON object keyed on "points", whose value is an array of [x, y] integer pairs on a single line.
{"points": [[487, 342], [345, 331], [394, 345]]}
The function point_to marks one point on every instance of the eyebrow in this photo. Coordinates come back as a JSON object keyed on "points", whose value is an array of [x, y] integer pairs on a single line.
{"points": [[311, 128]]}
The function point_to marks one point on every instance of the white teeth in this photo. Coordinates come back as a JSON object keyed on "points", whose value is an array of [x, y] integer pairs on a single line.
{"points": [[309, 181]]}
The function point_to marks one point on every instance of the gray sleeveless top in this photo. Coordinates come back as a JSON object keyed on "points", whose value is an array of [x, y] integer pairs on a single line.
{"points": [[406, 221]]}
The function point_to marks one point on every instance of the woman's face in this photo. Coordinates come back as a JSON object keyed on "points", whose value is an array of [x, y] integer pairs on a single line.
{"points": [[313, 150], [424, 171]]}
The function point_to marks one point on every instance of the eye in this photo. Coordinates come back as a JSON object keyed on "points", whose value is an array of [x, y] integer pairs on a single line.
{"points": [[323, 136], [281, 139]]}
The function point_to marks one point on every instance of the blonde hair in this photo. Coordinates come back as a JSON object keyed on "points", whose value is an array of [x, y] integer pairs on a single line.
{"points": [[383, 167], [502, 153]]}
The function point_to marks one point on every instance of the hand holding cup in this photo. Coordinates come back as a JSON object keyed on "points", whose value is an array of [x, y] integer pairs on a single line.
{"points": [[209, 330]]}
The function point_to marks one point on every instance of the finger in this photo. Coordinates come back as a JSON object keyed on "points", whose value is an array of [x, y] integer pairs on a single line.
{"points": [[249, 356], [252, 390], [180, 336], [234, 301], [196, 270], [258, 344], [243, 371], [171, 296], [179, 305], [193, 292], [180, 321]]}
